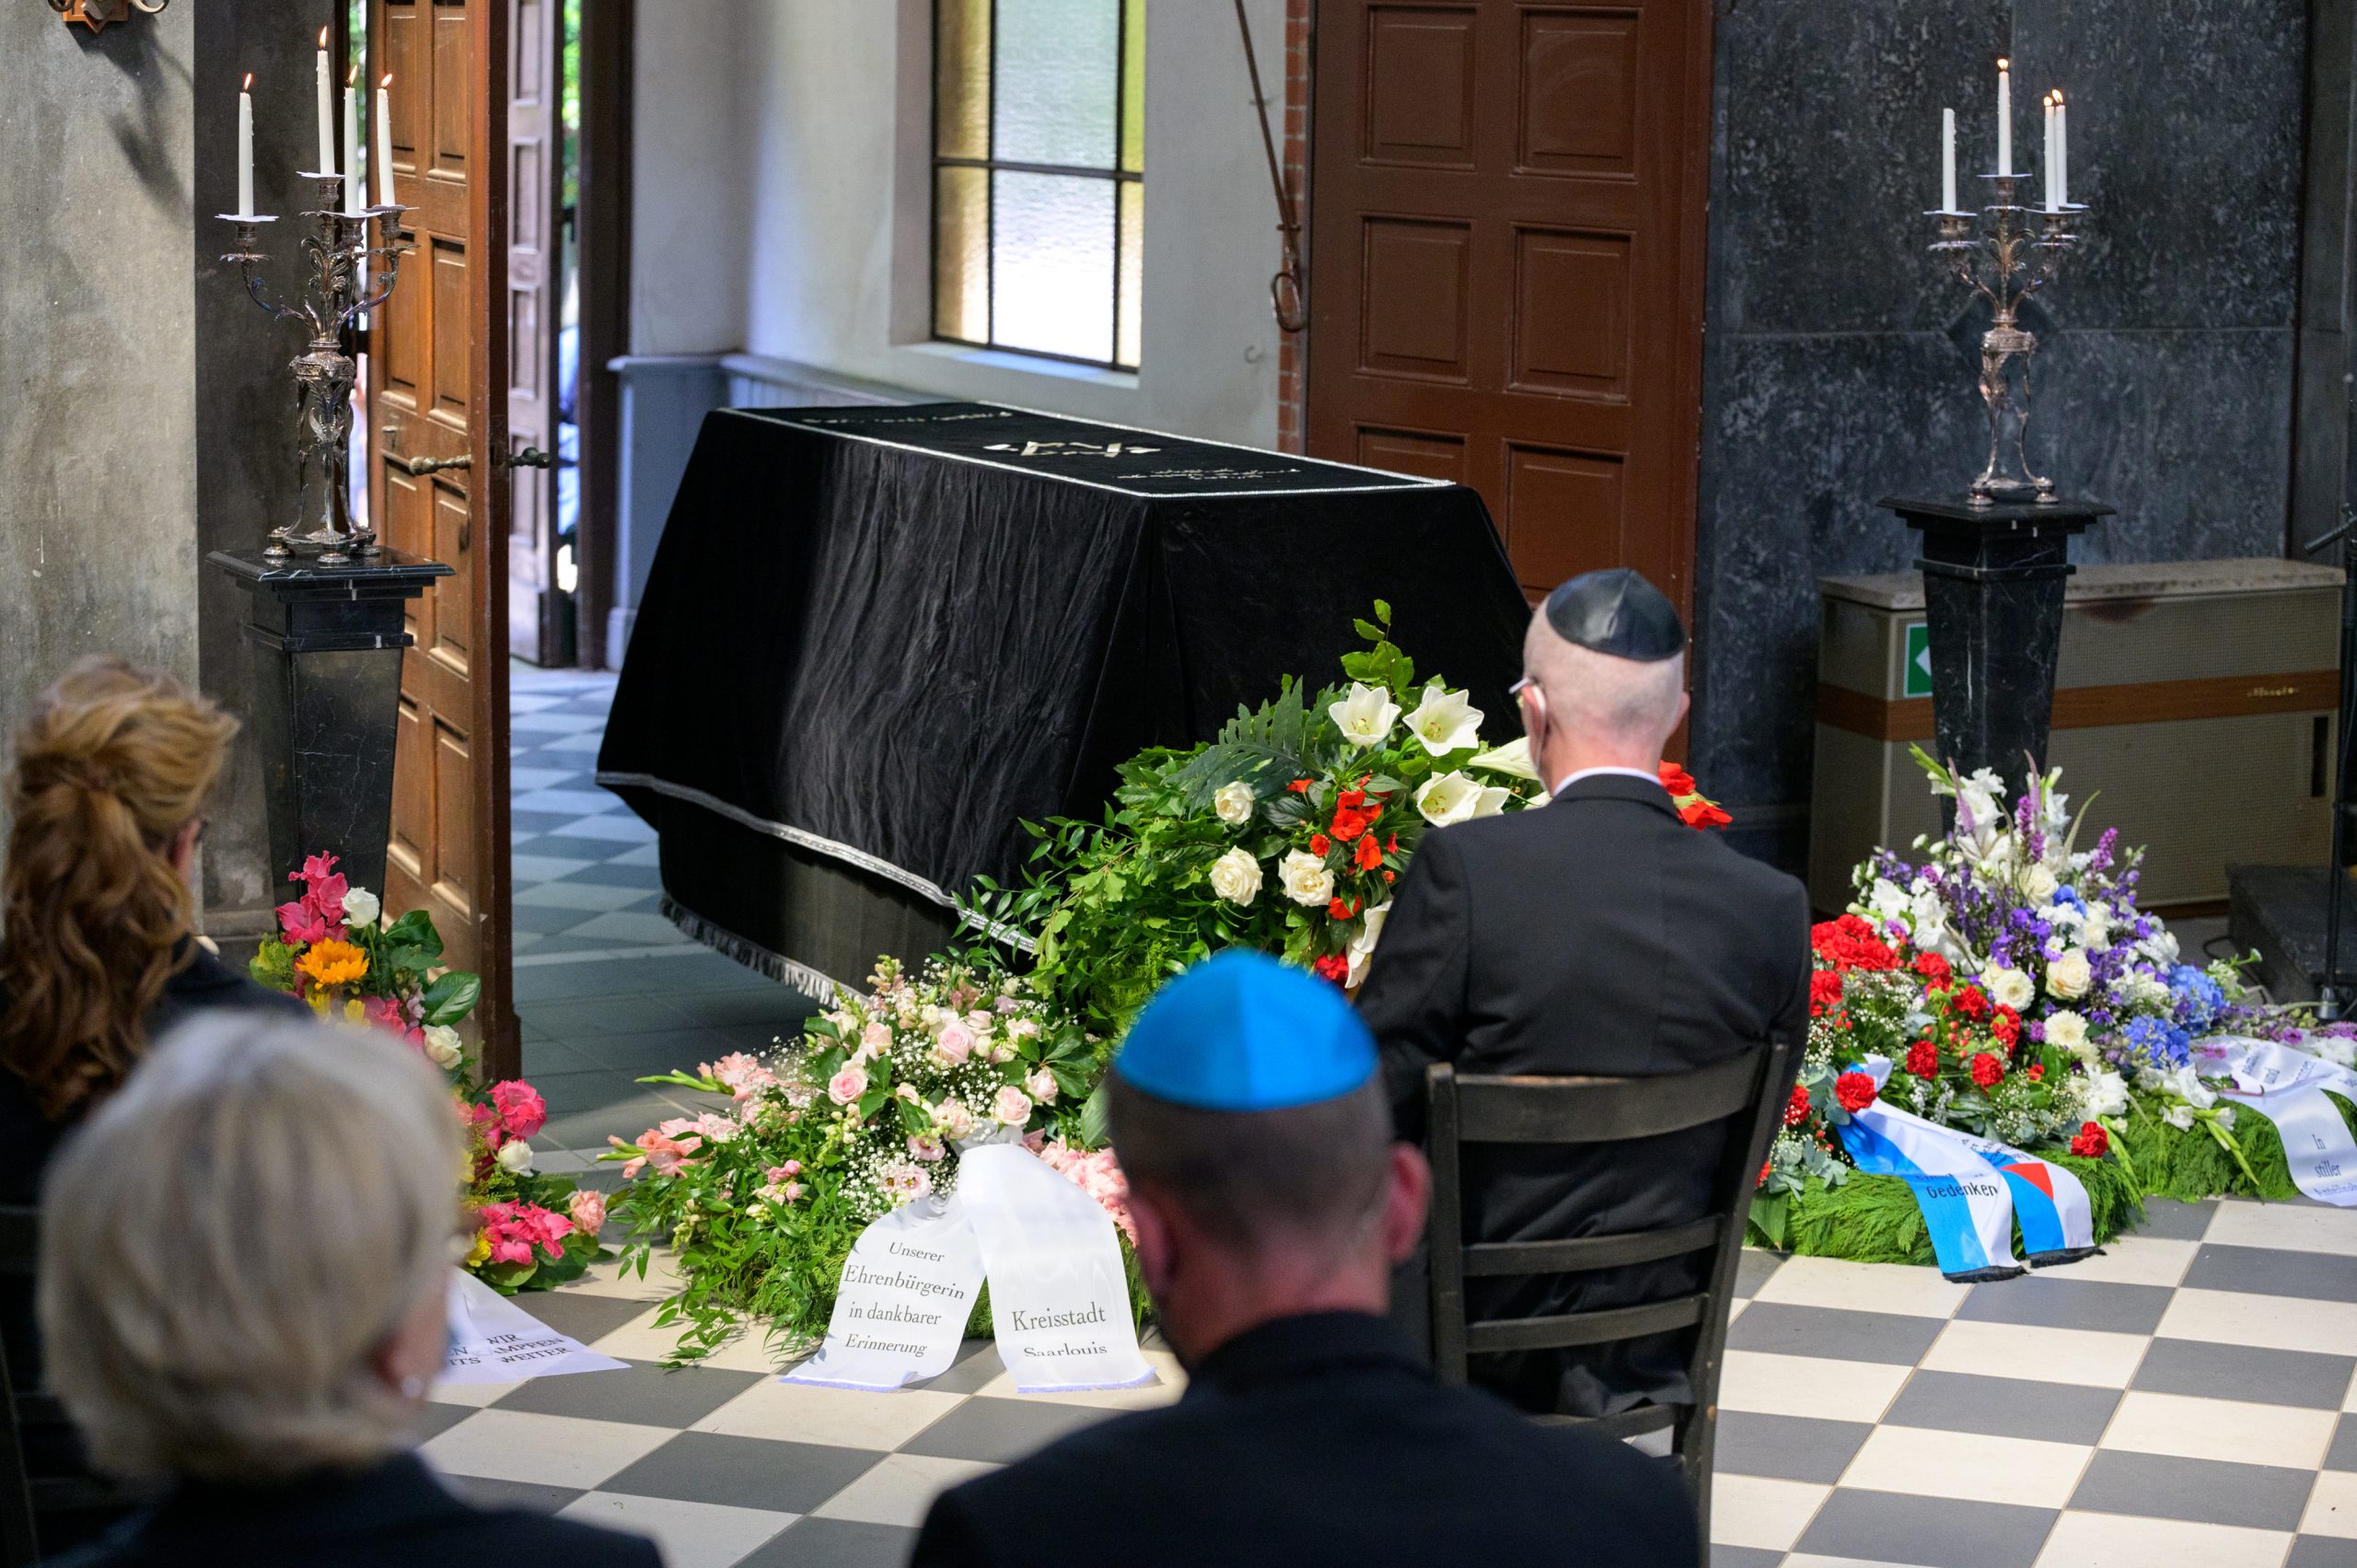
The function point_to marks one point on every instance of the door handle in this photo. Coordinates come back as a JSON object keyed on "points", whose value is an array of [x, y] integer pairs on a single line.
{"points": [[530, 457]]}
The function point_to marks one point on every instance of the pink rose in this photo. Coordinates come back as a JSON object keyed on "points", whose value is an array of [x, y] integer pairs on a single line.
{"points": [[1042, 1084], [1013, 1107], [846, 1086], [875, 1039], [588, 1210], [954, 1119], [956, 1044]]}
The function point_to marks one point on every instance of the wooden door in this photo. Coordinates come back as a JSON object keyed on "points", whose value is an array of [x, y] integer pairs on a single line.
{"points": [[1508, 207], [440, 380], [535, 129]]}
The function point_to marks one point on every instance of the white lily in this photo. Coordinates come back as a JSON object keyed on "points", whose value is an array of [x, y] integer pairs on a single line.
{"points": [[1458, 796], [1365, 717], [1446, 721], [1513, 758], [1362, 945]]}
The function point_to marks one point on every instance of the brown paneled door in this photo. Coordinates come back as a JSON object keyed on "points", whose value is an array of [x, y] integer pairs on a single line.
{"points": [[1507, 208], [439, 386]]}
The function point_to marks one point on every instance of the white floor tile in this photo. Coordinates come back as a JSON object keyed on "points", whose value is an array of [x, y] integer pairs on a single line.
{"points": [[844, 1418], [2270, 1322], [1816, 1559], [2083, 1539], [645, 854], [2303, 1228], [617, 827], [475, 1394], [521, 780], [554, 724], [607, 1279], [1808, 1385], [2333, 1506], [1974, 1468], [692, 1535], [899, 1490], [2232, 1430], [600, 896], [1864, 1288], [1154, 1396], [547, 1450], [572, 802], [588, 741], [519, 702], [633, 926], [545, 868], [1754, 1511], [2046, 1356], [2132, 1260]]}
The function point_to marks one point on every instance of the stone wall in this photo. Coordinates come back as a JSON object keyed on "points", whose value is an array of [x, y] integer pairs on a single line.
{"points": [[1839, 367]]}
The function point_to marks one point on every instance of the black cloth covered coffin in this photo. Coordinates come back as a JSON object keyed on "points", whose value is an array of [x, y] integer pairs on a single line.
{"points": [[876, 640]]}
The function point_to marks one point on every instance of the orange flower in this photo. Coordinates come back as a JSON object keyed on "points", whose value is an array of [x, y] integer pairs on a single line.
{"points": [[1369, 853], [1319, 843], [333, 963]]}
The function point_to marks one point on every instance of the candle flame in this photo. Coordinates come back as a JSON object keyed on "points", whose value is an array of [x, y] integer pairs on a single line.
{"points": [[352, 77], [2003, 65], [323, 38], [387, 81], [250, 83], [2058, 95]]}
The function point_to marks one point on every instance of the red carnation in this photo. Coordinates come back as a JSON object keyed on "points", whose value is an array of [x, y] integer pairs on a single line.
{"points": [[1924, 1059], [1763, 1172], [1823, 992], [1333, 967], [1677, 780], [1699, 813], [2091, 1143], [1986, 1071], [2036, 1071], [1369, 855], [1972, 1002], [1855, 1091], [1850, 943], [1319, 843], [1299, 786], [1796, 1109], [1934, 971], [2007, 1027]]}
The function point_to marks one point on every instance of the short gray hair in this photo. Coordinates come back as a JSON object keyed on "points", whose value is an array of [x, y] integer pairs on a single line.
{"points": [[231, 1239], [1631, 700]]}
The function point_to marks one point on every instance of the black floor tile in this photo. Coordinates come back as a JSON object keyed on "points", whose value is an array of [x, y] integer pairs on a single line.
{"points": [[647, 1394], [2307, 1378], [2343, 1455], [2274, 1270], [1788, 1447], [1753, 1268], [1937, 1532], [834, 1543], [2003, 1407], [1784, 1330], [2173, 1221], [744, 1472], [546, 921], [484, 1492], [578, 1020], [587, 1319], [999, 1431], [2321, 1551], [2042, 1301], [2209, 1491]]}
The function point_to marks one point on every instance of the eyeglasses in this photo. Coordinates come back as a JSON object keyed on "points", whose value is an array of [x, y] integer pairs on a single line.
{"points": [[1527, 683]]}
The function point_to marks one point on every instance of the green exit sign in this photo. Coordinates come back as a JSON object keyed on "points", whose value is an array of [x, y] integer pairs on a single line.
{"points": [[1918, 683]]}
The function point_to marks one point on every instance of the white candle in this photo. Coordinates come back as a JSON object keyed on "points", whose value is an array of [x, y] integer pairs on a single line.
{"points": [[2052, 198], [384, 143], [246, 148], [2061, 150], [2005, 119], [355, 188], [1947, 160], [327, 113]]}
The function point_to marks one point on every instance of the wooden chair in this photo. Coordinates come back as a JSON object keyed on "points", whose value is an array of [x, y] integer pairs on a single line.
{"points": [[1747, 1093], [31, 1418]]}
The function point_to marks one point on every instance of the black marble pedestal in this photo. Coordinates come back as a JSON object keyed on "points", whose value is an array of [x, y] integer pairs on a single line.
{"points": [[328, 643], [1992, 595]]}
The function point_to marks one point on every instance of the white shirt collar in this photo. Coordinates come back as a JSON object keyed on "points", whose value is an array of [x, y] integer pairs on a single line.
{"points": [[1568, 780]]}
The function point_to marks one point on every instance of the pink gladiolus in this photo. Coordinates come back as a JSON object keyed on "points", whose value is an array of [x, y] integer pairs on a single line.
{"points": [[589, 1208], [516, 1228], [522, 1112], [668, 1154], [301, 921]]}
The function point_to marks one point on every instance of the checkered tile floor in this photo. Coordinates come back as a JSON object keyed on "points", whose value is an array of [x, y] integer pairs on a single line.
{"points": [[2189, 1399]]}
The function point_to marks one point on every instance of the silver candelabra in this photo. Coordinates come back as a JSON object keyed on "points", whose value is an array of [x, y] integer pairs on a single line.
{"points": [[340, 253], [2005, 263]]}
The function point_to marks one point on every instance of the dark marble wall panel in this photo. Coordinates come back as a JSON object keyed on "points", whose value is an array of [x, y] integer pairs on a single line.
{"points": [[1838, 364]]}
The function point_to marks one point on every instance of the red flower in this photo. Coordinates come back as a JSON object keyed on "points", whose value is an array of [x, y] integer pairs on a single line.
{"points": [[302, 922], [2091, 1143], [1369, 855], [1391, 844], [1341, 911], [1924, 1059], [1391, 876], [1677, 780], [1763, 1172], [1333, 967], [1351, 797], [1823, 992], [522, 1112], [1986, 1071], [2036, 1071], [1699, 813], [1850, 943], [1796, 1109], [1855, 1091], [1349, 822], [1970, 1001], [1934, 971], [2007, 1027], [1319, 843], [1299, 786]]}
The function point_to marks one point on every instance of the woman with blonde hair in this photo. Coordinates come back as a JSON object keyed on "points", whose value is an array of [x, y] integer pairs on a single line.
{"points": [[98, 948], [244, 1267]]}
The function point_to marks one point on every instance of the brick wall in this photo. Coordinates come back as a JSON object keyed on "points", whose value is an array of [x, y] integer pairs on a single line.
{"points": [[1291, 367]]}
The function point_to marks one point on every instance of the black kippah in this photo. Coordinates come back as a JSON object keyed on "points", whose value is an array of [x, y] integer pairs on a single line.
{"points": [[1616, 612]]}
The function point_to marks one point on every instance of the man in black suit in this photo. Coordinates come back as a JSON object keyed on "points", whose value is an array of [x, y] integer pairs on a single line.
{"points": [[1271, 1203], [1600, 935]]}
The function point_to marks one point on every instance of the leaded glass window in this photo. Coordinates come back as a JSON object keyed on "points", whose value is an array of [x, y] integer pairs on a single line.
{"points": [[1039, 172]]}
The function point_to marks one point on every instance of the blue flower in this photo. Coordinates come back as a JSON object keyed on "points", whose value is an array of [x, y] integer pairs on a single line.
{"points": [[2199, 999], [2159, 1042]]}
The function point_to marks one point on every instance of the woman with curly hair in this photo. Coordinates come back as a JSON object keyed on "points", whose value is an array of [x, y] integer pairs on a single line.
{"points": [[98, 948]]}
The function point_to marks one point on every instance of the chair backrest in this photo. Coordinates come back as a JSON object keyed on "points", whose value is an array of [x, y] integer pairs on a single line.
{"points": [[1746, 1093]]}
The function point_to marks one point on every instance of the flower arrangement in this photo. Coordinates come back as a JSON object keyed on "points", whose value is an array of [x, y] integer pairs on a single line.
{"points": [[337, 952], [868, 1110], [2020, 994]]}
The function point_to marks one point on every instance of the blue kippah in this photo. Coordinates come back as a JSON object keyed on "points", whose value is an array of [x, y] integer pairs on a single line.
{"points": [[1241, 1031]]}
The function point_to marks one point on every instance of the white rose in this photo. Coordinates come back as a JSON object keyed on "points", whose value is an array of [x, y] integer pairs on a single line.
{"points": [[2040, 884], [2066, 1029], [1235, 877], [1362, 945], [1365, 717], [360, 907], [1446, 721], [1458, 796], [2069, 976], [516, 1156], [2103, 1094], [1304, 877], [2334, 1048], [2009, 987], [1233, 803], [442, 1046]]}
